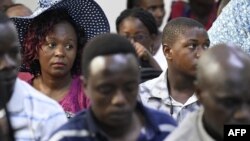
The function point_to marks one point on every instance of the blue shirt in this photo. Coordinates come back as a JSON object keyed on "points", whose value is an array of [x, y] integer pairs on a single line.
{"points": [[83, 127]]}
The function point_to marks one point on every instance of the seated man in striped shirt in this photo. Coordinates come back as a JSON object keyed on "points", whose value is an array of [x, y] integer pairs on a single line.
{"points": [[33, 116], [111, 81]]}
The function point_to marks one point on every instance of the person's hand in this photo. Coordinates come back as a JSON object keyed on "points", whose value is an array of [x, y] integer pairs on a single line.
{"points": [[145, 55], [141, 51]]}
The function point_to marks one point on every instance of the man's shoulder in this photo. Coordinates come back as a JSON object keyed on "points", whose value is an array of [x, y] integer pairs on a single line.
{"points": [[153, 83], [38, 98], [158, 123], [160, 117], [187, 130], [78, 122], [75, 128], [156, 88], [33, 93]]}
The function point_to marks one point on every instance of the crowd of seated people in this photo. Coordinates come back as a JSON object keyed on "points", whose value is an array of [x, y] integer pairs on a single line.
{"points": [[65, 77]]}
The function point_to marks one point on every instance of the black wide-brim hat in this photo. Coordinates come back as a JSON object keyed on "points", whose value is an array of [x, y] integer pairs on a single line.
{"points": [[87, 15]]}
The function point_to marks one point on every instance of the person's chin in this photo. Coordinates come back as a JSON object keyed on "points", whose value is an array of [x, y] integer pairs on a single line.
{"points": [[118, 119], [59, 73]]}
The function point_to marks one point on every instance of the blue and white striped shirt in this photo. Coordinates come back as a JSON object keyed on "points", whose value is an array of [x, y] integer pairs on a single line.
{"points": [[83, 127], [34, 115]]}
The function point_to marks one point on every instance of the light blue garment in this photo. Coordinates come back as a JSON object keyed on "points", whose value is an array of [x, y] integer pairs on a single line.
{"points": [[34, 115], [233, 25]]}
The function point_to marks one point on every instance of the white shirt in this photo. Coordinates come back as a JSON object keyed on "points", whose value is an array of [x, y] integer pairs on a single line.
{"points": [[191, 129], [161, 59], [34, 114], [154, 94]]}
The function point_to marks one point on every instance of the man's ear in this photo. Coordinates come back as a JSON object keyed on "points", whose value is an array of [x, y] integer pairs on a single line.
{"points": [[84, 84], [168, 52]]}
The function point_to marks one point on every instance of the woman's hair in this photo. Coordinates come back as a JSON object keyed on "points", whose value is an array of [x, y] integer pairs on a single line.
{"points": [[36, 35], [144, 16]]}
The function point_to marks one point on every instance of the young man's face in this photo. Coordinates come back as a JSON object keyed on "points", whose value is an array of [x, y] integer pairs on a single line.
{"points": [[187, 48], [10, 58], [112, 86]]}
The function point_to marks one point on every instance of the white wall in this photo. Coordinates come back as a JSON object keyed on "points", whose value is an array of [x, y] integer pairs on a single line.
{"points": [[32, 4], [112, 9]]}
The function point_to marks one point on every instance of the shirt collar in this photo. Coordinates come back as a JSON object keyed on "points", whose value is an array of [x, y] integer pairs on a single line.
{"points": [[160, 92], [159, 88], [16, 103]]}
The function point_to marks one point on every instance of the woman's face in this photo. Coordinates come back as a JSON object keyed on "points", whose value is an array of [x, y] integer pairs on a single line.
{"points": [[57, 54], [134, 30]]}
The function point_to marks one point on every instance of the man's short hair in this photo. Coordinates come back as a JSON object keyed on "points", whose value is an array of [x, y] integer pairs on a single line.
{"points": [[176, 27], [105, 44]]}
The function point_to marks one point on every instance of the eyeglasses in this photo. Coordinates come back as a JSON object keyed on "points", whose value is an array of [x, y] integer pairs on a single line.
{"points": [[137, 37]]}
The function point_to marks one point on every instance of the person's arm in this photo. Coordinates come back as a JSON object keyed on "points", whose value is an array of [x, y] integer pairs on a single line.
{"points": [[145, 55], [52, 123]]}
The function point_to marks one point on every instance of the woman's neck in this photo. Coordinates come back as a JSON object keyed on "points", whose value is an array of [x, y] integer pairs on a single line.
{"points": [[54, 87]]}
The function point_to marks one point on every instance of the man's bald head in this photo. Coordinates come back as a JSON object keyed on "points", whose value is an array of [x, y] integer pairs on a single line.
{"points": [[223, 63], [223, 81]]}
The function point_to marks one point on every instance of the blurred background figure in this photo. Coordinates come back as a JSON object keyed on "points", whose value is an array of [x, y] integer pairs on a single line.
{"points": [[139, 27], [157, 9], [16, 10], [204, 11], [6, 130], [4, 4]]}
